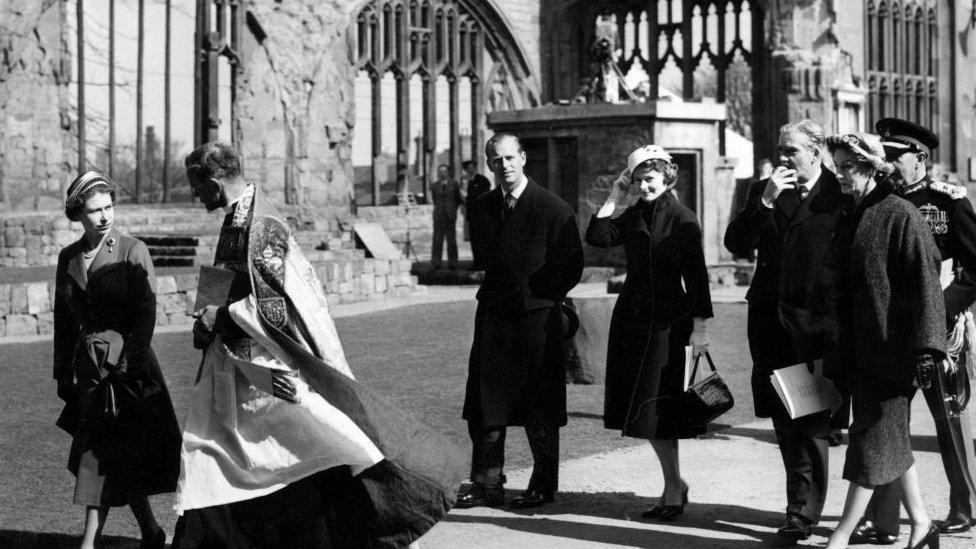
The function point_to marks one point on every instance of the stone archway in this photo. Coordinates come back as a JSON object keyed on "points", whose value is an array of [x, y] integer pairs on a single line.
{"points": [[429, 71]]}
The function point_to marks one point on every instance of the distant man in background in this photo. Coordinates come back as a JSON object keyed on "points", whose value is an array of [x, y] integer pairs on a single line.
{"points": [[445, 195], [477, 185]]}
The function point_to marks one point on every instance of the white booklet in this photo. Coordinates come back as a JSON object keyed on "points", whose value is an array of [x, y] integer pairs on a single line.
{"points": [[804, 392]]}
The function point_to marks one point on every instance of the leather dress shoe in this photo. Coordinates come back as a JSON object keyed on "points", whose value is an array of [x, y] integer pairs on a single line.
{"points": [[532, 498], [867, 532], [480, 495], [795, 528], [956, 524]]}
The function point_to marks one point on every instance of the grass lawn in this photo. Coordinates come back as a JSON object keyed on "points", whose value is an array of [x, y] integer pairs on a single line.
{"points": [[416, 355]]}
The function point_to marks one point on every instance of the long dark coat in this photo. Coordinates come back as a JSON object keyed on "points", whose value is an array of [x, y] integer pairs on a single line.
{"points": [[518, 358], [662, 242], [139, 452], [791, 240], [884, 295]]}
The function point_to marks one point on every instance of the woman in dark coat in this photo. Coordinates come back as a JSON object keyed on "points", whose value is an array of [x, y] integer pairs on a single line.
{"points": [[888, 316], [655, 315], [125, 439]]}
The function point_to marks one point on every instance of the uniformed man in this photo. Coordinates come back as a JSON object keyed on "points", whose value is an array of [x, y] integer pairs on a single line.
{"points": [[950, 216]]}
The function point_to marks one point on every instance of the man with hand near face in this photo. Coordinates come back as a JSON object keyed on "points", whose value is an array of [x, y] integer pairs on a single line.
{"points": [[789, 218], [517, 368]]}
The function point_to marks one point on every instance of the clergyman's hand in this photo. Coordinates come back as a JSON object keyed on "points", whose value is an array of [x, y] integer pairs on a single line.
{"points": [[203, 326], [282, 386]]}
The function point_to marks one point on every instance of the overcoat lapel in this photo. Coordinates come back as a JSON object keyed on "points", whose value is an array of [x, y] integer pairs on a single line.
{"points": [[76, 267], [787, 203], [522, 211], [803, 210]]}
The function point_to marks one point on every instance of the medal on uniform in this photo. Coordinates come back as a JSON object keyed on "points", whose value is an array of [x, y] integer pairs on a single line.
{"points": [[937, 219]]}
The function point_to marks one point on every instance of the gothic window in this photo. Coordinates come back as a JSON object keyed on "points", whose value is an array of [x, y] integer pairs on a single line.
{"points": [[902, 82], [428, 71]]}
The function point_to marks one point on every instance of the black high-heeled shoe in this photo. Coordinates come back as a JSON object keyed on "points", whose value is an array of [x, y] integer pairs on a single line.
{"points": [[930, 539], [668, 512]]}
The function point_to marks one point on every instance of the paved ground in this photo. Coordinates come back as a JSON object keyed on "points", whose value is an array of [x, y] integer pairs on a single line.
{"points": [[735, 473], [736, 498]]}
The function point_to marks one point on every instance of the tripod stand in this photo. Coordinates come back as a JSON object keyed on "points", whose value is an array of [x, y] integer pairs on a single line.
{"points": [[408, 200]]}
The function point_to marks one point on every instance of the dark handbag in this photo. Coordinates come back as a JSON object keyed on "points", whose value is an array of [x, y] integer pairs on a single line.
{"points": [[707, 399]]}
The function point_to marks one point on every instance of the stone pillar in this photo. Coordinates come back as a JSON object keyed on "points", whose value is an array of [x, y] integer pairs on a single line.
{"points": [[38, 142], [294, 108], [724, 195]]}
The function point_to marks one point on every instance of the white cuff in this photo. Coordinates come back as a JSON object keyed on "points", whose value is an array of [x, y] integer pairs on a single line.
{"points": [[606, 210]]}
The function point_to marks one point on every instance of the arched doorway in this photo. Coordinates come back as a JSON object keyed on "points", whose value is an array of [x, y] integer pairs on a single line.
{"points": [[427, 73]]}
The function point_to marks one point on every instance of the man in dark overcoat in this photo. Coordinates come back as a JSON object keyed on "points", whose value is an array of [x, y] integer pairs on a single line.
{"points": [[516, 372], [789, 218], [950, 217]]}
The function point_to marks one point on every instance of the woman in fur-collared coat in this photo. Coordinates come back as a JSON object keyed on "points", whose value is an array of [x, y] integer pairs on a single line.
{"points": [[886, 308], [125, 438]]}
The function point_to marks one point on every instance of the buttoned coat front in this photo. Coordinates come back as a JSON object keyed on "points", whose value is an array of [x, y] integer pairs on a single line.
{"points": [[517, 367], [138, 452]]}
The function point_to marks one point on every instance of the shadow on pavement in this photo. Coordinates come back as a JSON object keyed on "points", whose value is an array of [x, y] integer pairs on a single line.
{"points": [[756, 525], [43, 540]]}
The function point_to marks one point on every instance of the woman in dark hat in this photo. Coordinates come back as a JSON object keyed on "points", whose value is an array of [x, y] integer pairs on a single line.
{"points": [[887, 315], [125, 439], [664, 305]]}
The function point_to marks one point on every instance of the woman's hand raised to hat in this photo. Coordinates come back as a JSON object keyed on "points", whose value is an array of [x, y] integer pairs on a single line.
{"points": [[620, 188], [619, 193]]}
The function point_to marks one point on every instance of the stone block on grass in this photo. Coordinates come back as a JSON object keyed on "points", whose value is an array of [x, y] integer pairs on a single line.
{"points": [[38, 298], [18, 299], [20, 325], [45, 323], [589, 345]]}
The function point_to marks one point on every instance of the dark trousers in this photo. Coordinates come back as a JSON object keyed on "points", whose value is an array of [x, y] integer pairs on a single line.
{"points": [[445, 226], [955, 436], [488, 453], [803, 441], [804, 447]]}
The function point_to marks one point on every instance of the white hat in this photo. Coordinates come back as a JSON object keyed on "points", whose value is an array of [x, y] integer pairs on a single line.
{"points": [[645, 153]]}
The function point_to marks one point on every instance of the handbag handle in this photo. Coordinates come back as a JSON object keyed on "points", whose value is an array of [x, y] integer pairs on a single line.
{"points": [[694, 370]]}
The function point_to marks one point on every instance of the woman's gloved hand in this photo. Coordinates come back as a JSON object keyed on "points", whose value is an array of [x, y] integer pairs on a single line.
{"points": [[619, 192], [699, 337]]}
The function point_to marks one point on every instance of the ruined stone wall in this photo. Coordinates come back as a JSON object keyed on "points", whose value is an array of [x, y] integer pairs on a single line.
{"points": [[37, 139], [523, 18], [294, 107]]}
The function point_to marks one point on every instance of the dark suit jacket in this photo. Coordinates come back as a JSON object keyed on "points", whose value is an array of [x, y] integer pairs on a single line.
{"points": [[534, 257], [446, 198], [477, 186], [956, 242]]}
